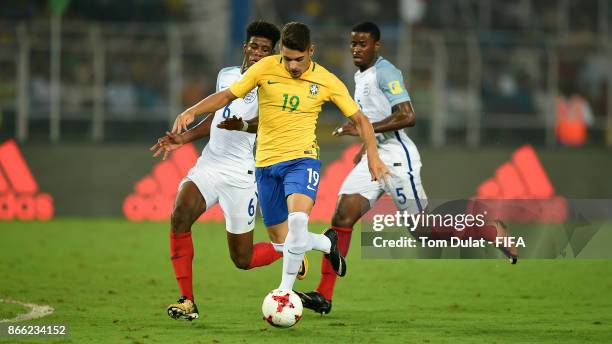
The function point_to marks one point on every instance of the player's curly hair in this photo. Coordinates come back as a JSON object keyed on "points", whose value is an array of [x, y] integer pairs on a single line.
{"points": [[368, 27], [296, 36], [263, 29]]}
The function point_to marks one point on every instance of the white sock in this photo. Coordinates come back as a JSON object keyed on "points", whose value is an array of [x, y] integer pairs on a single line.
{"points": [[278, 247], [320, 242], [296, 244]]}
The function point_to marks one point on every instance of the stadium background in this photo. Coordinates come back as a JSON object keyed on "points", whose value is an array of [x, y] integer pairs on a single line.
{"points": [[87, 86]]}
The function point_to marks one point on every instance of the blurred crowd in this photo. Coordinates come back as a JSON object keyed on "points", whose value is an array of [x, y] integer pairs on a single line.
{"points": [[515, 40]]}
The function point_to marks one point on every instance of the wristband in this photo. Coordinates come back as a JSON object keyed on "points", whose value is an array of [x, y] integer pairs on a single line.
{"points": [[245, 126]]}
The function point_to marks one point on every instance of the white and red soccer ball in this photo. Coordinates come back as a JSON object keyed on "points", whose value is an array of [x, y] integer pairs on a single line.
{"points": [[282, 308]]}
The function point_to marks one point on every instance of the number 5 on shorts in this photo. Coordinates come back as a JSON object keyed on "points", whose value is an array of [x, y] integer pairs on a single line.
{"points": [[400, 194]]}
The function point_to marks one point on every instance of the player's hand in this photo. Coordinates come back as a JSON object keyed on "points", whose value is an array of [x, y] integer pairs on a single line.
{"points": [[167, 144], [182, 121], [378, 169], [347, 128], [232, 123]]}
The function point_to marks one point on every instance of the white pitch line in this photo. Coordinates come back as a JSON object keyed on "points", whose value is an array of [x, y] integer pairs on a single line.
{"points": [[36, 311]]}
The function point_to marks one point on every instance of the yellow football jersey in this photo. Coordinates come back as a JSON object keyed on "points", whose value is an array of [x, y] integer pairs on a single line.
{"points": [[289, 108]]}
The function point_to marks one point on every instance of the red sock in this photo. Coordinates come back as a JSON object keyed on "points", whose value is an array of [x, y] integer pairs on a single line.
{"points": [[181, 254], [328, 275], [264, 254], [488, 232]]}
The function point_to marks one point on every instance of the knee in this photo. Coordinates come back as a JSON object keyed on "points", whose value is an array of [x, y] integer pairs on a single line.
{"points": [[343, 220], [181, 220], [298, 222], [297, 239], [242, 262], [276, 237]]}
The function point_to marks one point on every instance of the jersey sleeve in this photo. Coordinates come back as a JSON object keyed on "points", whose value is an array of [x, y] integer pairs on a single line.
{"points": [[340, 96], [221, 85], [391, 83], [249, 80]]}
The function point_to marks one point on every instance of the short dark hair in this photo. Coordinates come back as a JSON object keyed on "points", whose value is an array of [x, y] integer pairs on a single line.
{"points": [[296, 36], [263, 29], [368, 27]]}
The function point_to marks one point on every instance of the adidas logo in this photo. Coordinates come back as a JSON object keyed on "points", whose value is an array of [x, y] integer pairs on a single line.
{"points": [[20, 198], [153, 196], [521, 191], [522, 181]]}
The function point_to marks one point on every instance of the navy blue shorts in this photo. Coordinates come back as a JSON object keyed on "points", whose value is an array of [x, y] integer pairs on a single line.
{"points": [[276, 182]]}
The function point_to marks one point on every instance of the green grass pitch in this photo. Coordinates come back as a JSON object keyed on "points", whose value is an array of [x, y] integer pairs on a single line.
{"points": [[110, 281]]}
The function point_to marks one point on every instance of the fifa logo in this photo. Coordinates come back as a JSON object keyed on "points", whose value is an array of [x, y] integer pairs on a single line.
{"points": [[395, 87]]}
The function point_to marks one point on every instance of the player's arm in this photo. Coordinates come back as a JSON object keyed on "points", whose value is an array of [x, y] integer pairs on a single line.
{"points": [[209, 104], [240, 88], [172, 141], [340, 96], [201, 130], [402, 116], [391, 83], [237, 123], [378, 169]]}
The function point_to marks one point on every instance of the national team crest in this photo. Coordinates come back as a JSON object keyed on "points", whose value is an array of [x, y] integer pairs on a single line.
{"points": [[314, 89], [366, 90], [250, 97]]}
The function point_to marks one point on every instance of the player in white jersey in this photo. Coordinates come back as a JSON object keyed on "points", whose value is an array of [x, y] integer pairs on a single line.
{"points": [[383, 97], [223, 174]]}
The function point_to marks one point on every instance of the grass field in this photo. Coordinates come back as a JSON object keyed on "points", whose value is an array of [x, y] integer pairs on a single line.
{"points": [[110, 282]]}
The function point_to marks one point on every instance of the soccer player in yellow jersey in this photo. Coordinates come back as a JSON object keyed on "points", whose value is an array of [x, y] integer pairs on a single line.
{"points": [[291, 90]]}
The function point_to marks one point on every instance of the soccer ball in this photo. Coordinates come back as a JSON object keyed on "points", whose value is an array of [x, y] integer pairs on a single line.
{"points": [[282, 308]]}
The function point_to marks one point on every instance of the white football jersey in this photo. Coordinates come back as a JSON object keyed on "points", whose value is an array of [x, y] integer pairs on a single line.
{"points": [[231, 152], [377, 90]]}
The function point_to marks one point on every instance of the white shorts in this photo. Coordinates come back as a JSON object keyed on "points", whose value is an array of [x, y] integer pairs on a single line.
{"points": [[405, 188], [238, 200]]}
